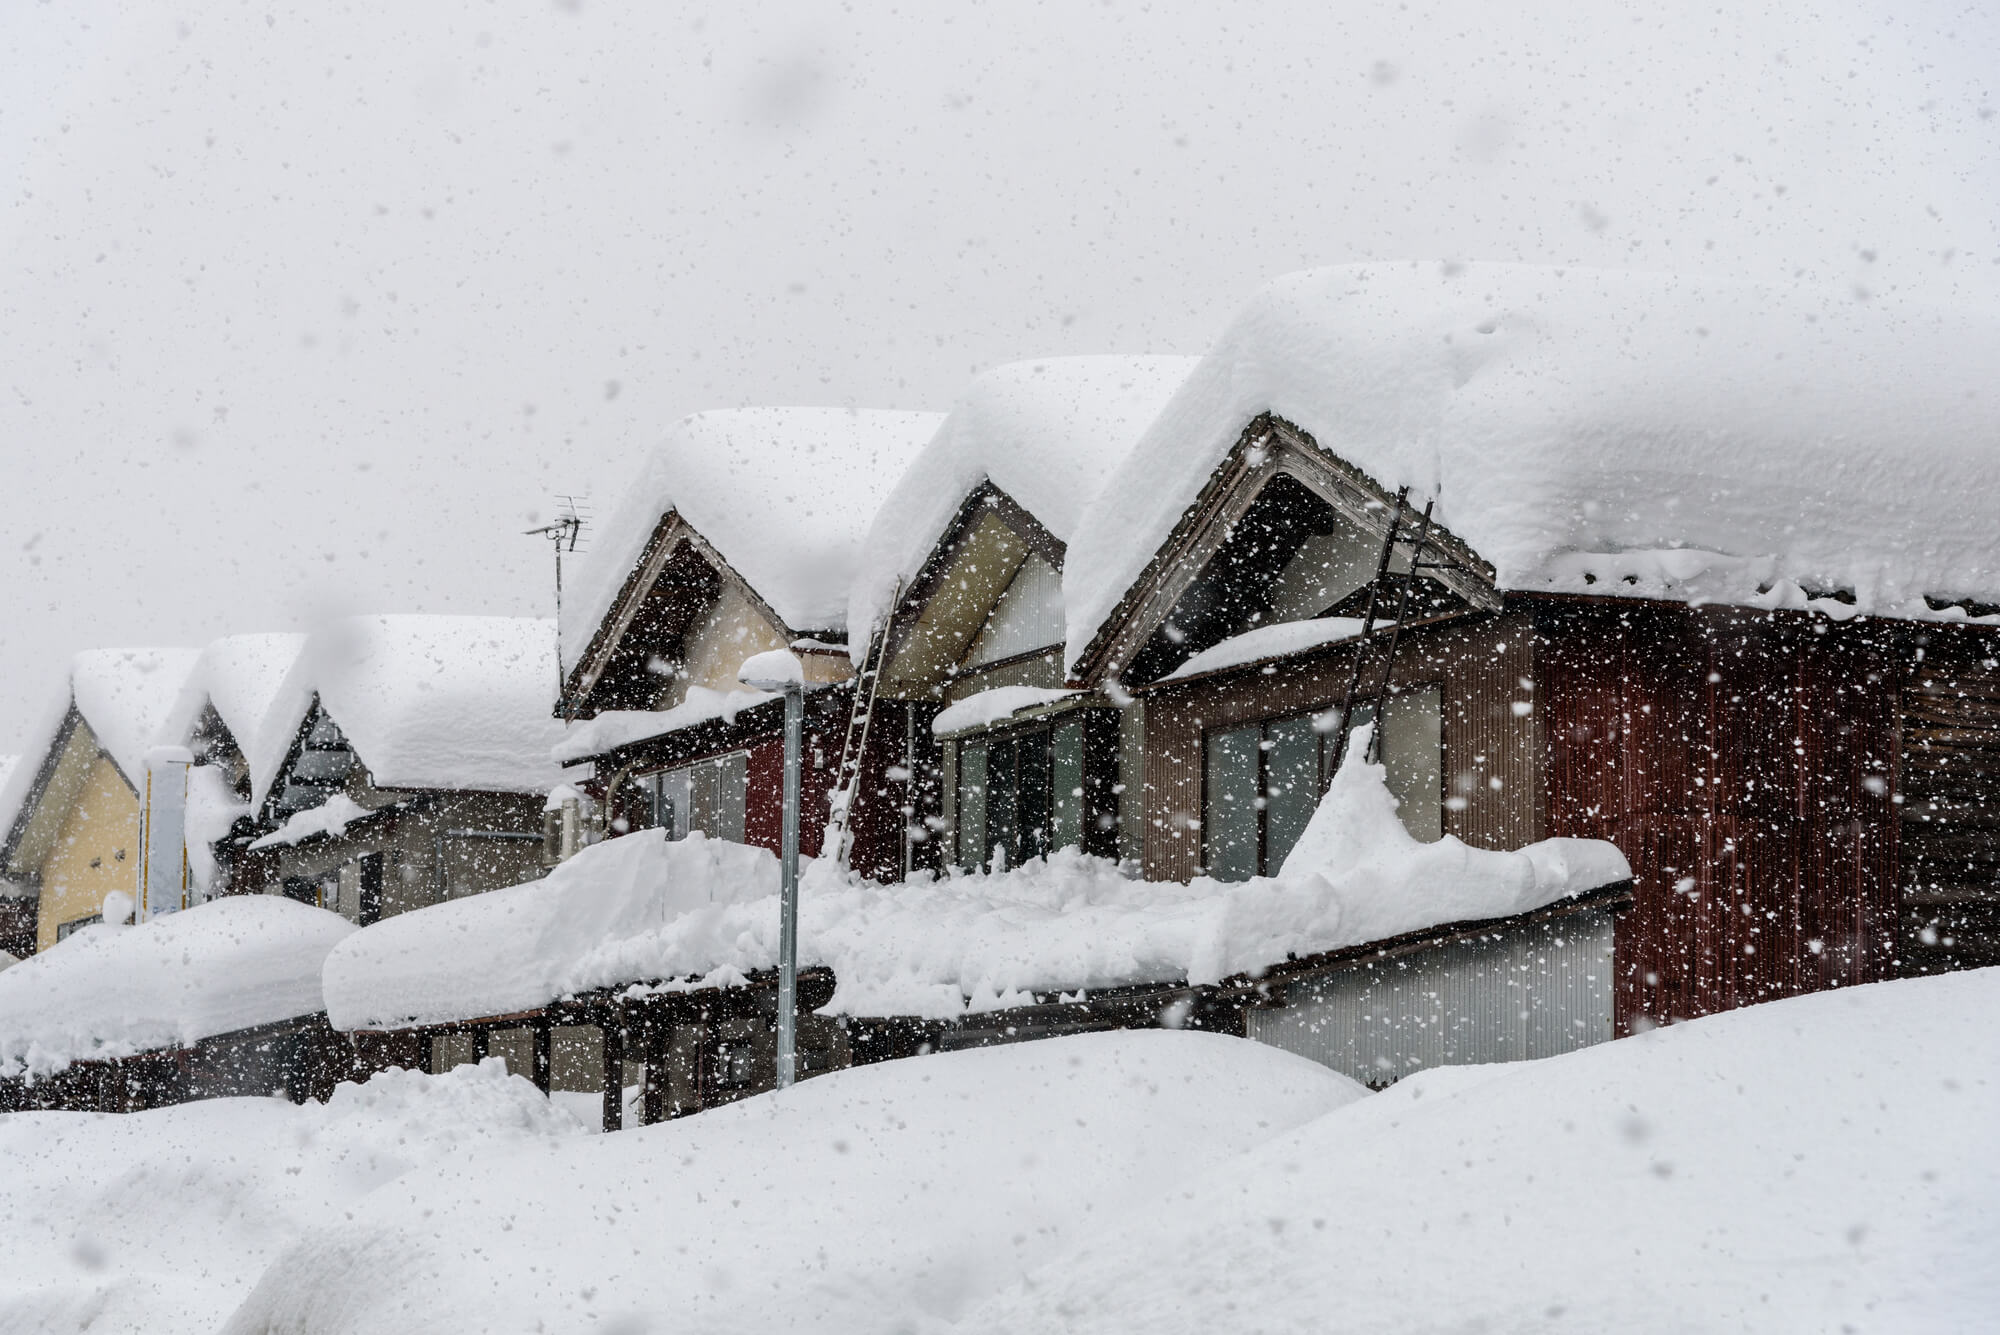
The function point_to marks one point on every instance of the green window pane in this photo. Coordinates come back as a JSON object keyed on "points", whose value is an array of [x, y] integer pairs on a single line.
{"points": [[1002, 805], [1291, 786], [1229, 804], [1066, 779], [972, 806]]}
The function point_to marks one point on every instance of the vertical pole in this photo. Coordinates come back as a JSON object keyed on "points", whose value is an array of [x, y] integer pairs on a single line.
{"points": [[788, 928]]}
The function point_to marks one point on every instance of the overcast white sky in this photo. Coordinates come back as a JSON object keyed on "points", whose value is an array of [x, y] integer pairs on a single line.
{"points": [[314, 308]]}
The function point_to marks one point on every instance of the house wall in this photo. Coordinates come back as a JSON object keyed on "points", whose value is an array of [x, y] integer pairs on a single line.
{"points": [[1490, 749], [408, 838], [730, 631], [95, 854], [1744, 762]]}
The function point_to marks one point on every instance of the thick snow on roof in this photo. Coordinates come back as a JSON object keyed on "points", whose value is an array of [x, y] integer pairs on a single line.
{"points": [[219, 1188], [126, 695], [239, 675], [1045, 432], [621, 727], [1273, 641], [522, 947], [1587, 431], [642, 908], [110, 991], [1821, 1163], [883, 1198], [783, 494], [426, 701]]}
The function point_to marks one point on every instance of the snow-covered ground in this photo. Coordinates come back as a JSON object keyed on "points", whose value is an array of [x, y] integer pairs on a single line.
{"points": [[1820, 1164], [162, 1221]]}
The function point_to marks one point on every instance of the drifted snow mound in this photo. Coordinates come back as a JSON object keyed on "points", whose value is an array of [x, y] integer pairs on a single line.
{"points": [[1819, 1164], [885, 1198], [161, 1221], [110, 991]]}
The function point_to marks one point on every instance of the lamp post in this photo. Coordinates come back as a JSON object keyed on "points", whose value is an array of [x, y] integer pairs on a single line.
{"points": [[780, 670]]}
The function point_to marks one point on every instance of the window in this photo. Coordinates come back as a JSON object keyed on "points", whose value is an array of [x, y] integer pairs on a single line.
{"points": [[1262, 781], [707, 796], [77, 924], [1027, 793]]}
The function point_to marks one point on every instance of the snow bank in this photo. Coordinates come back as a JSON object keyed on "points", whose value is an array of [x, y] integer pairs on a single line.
{"points": [[988, 707], [240, 676], [782, 494], [1046, 432], [1823, 1163], [1273, 641], [162, 1221], [426, 701], [1635, 434], [621, 727], [108, 991], [522, 947], [887, 1197], [642, 908]]}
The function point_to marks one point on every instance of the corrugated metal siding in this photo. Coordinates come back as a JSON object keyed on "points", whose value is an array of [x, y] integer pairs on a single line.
{"points": [[1492, 750], [1739, 760], [1522, 992]]}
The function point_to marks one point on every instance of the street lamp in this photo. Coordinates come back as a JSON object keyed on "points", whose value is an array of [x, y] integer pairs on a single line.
{"points": [[780, 670]]}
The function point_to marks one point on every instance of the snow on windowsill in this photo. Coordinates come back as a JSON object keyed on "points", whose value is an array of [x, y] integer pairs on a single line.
{"points": [[331, 818], [1274, 641], [990, 707]]}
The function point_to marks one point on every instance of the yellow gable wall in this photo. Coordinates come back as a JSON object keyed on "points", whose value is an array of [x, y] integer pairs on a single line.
{"points": [[730, 631], [102, 828]]}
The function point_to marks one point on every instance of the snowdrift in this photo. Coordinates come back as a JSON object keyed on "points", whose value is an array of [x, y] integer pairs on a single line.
{"points": [[1818, 1164], [882, 1198], [704, 912], [110, 991], [161, 1221]]}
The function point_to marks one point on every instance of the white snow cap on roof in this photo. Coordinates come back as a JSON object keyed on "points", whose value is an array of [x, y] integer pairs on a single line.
{"points": [[125, 695], [239, 675], [110, 991], [783, 494], [426, 701], [1706, 439], [1046, 432]]}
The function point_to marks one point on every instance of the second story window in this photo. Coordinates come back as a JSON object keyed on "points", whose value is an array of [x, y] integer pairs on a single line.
{"points": [[707, 795]]}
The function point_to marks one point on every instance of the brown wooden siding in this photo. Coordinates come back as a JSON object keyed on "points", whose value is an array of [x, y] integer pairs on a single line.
{"points": [[1742, 762], [1491, 750]]}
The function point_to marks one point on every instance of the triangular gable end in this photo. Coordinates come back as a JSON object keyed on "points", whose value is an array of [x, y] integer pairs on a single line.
{"points": [[974, 572], [317, 765], [675, 581], [1280, 522]]}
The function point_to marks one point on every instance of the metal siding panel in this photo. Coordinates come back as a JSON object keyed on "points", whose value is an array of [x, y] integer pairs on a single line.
{"points": [[1519, 993]]}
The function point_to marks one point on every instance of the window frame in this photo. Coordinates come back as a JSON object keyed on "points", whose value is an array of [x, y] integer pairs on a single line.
{"points": [[1096, 810]]}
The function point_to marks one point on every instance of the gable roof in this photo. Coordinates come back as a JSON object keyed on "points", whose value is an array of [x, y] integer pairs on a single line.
{"points": [[1046, 433], [451, 702], [782, 495], [239, 675], [1587, 431]]}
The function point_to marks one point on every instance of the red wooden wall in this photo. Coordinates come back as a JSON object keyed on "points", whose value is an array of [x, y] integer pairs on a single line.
{"points": [[1743, 763]]}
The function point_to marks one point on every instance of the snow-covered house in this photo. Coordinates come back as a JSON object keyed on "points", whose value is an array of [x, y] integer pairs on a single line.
{"points": [[1704, 570], [404, 761], [218, 717], [220, 1000], [961, 573], [69, 811], [738, 536]]}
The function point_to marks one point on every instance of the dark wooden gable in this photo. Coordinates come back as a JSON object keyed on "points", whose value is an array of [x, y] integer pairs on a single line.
{"points": [[1214, 576], [675, 580]]}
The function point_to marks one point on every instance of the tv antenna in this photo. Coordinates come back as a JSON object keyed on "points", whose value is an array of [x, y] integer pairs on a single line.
{"points": [[563, 533]]}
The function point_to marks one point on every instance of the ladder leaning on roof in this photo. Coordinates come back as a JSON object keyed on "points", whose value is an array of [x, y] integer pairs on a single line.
{"points": [[839, 841], [1364, 648]]}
